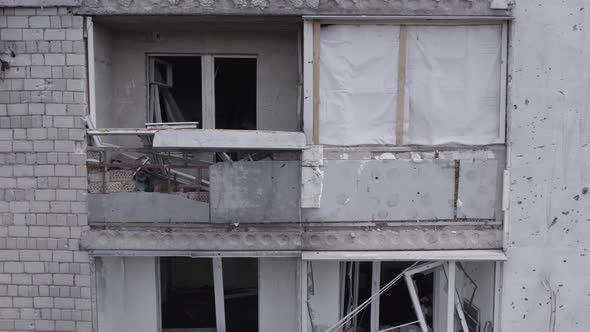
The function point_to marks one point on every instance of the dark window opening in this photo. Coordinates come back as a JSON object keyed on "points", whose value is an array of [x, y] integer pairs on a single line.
{"points": [[182, 102], [395, 305], [240, 284], [187, 293], [235, 93]]}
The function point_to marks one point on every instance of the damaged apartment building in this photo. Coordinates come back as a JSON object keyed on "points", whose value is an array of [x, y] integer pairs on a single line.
{"points": [[294, 165]]}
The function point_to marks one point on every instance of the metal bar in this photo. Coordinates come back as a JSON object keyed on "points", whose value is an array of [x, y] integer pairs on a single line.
{"points": [[196, 253], [304, 298], [398, 326], [415, 255], [497, 294], [401, 85], [401, 18], [316, 82], [219, 297], [416, 301], [460, 313], [208, 91], [375, 286], [451, 297], [149, 166]]}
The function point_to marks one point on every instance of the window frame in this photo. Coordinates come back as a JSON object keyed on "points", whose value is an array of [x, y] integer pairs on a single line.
{"points": [[444, 275], [207, 80], [311, 67], [218, 290]]}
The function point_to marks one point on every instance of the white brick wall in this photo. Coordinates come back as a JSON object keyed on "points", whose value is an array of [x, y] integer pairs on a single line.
{"points": [[44, 278]]}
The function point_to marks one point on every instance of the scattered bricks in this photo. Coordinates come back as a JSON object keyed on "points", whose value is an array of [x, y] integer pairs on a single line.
{"points": [[33, 35], [55, 59], [60, 207], [5, 146], [40, 72], [17, 109], [34, 267], [76, 85], [14, 267], [75, 60], [63, 121], [65, 195], [62, 256], [63, 279], [55, 109], [45, 194], [121, 175], [17, 21], [129, 186], [44, 170], [11, 34], [29, 255], [39, 231], [55, 34], [8, 255], [113, 187], [5, 302], [22, 146], [39, 22], [74, 34], [65, 146], [94, 187], [43, 302], [59, 232]]}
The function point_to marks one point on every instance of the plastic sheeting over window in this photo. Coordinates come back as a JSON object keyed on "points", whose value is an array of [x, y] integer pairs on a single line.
{"points": [[452, 84], [358, 74]]}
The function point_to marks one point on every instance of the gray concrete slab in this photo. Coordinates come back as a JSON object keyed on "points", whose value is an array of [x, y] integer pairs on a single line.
{"points": [[478, 180], [291, 7], [145, 207], [259, 192], [293, 238], [383, 190]]}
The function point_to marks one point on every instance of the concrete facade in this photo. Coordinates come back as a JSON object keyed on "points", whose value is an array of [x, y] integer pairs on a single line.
{"points": [[45, 270], [44, 278]]}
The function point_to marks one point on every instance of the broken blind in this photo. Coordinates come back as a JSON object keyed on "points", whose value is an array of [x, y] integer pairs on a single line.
{"points": [[451, 83]]}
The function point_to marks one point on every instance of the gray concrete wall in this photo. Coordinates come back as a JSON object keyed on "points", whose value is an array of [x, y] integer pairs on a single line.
{"points": [[103, 74], [275, 49], [44, 277], [297, 7], [545, 286], [127, 294]]}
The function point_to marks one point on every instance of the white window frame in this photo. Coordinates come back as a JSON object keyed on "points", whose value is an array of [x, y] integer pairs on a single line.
{"points": [[207, 80], [437, 263], [218, 290], [311, 56]]}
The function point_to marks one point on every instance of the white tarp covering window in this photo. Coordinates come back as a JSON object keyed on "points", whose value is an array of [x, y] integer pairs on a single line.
{"points": [[358, 74], [452, 84]]}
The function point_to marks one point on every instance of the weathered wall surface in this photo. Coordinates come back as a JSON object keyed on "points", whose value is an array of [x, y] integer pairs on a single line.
{"points": [[295, 7], [546, 284], [44, 278], [123, 80]]}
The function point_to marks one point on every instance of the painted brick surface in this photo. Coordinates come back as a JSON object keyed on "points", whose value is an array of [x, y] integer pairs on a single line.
{"points": [[44, 277]]}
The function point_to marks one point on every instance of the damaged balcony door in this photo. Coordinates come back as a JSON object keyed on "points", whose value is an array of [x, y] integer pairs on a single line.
{"points": [[398, 296]]}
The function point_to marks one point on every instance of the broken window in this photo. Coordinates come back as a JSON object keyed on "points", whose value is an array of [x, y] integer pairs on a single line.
{"points": [[235, 93], [175, 89], [401, 296], [420, 84], [205, 293], [216, 92], [187, 293]]}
